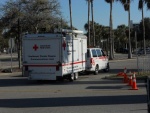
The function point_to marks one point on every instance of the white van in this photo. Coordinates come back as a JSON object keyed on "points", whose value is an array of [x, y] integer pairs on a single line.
{"points": [[96, 60]]}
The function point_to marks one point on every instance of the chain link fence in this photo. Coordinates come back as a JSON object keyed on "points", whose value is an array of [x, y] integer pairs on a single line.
{"points": [[143, 64], [0, 65]]}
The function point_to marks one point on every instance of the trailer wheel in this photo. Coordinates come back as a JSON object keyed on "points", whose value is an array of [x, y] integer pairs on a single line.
{"points": [[71, 77], [96, 70], [76, 75]]}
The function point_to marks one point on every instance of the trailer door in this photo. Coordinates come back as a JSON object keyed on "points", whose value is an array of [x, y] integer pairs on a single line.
{"points": [[41, 50]]}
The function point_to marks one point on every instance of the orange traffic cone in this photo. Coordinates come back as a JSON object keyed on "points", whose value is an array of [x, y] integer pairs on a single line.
{"points": [[125, 79], [130, 81], [134, 86], [120, 74], [125, 70]]}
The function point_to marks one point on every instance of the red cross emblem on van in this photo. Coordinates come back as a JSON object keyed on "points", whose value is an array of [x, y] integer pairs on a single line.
{"points": [[35, 47]]}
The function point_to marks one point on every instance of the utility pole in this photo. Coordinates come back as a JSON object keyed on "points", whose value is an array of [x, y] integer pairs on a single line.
{"points": [[19, 37]]}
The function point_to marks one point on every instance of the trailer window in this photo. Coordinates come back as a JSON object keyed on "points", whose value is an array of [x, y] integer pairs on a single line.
{"points": [[94, 53]]}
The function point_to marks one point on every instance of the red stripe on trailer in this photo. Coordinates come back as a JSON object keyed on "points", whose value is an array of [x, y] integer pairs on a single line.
{"points": [[51, 65]]}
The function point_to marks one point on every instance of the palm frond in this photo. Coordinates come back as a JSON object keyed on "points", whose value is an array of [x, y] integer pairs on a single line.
{"points": [[122, 1], [140, 4], [147, 2], [126, 7], [109, 1]]}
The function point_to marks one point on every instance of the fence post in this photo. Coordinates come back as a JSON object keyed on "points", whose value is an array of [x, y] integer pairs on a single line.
{"points": [[148, 93]]}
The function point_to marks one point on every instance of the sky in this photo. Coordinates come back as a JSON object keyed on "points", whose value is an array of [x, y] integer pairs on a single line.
{"points": [[101, 13]]}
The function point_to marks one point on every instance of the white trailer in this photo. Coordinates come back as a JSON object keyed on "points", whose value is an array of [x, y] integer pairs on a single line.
{"points": [[54, 56]]}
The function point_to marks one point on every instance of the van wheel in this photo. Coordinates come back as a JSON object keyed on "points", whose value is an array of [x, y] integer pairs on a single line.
{"points": [[107, 68], [96, 70], [76, 75], [71, 77]]}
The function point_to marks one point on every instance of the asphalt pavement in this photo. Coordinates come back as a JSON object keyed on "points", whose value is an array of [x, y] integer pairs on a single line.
{"points": [[89, 94]]}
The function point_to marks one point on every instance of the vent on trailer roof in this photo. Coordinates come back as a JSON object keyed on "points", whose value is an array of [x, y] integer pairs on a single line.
{"points": [[68, 31]]}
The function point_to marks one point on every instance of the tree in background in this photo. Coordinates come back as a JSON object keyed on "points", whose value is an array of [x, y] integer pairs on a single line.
{"points": [[147, 3], [89, 36], [141, 7], [126, 4], [101, 35], [3, 42], [111, 40], [34, 15], [93, 28], [120, 36], [147, 29], [31, 16], [91, 33]]}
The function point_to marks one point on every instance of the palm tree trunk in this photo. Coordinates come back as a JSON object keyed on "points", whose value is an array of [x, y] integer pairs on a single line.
{"points": [[111, 35], [70, 14], [93, 29], [89, 40], [143, 25], [129, 40]]}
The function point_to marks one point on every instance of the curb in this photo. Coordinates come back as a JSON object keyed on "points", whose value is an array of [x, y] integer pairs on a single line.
{"points": [[11, 74]]}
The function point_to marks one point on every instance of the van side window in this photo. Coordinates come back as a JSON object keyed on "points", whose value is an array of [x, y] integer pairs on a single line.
{"points": [[94, 53], [88, 53], [99, 52]]}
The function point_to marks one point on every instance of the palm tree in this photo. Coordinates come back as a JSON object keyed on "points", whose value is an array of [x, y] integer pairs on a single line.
{"points": [[147, 3], [70, 9], [141, 6], [93, 29], [111, 31], [90, 2], [126, 4], [89, 40]]}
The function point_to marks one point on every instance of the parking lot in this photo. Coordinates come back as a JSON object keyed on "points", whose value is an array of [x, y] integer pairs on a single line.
{"points": [[89, 94]]}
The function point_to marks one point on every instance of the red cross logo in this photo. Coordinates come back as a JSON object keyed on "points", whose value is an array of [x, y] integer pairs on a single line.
{"points": [[35, 47], [64, 44]]}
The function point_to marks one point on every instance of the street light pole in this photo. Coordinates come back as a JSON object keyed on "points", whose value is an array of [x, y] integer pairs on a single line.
{"points": [[72, 75]]}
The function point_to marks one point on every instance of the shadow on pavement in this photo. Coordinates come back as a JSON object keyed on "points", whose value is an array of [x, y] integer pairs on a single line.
{"points": [[72, 101], [23, 81]]}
